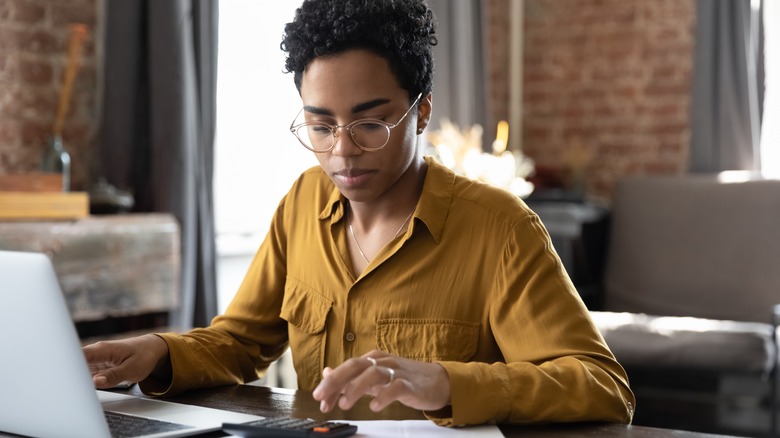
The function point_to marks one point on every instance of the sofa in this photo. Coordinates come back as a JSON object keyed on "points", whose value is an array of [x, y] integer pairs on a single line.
{"points": [[691, 288]]}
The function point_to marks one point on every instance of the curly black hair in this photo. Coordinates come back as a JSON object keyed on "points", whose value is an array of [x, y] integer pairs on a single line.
{"points": [[401, 31]]}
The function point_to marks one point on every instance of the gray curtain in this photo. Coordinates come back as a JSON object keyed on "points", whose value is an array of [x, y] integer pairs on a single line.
{"points": [[158, 127], [459, 92], [727, 87]]}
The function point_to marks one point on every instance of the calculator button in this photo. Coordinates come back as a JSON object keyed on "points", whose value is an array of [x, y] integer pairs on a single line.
{"points": [[290, 427]]}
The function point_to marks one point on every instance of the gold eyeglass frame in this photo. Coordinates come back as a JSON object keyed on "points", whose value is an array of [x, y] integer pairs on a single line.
{"points": [[334, 129]]}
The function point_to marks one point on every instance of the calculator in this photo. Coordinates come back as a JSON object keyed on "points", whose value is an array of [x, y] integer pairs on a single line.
{"points": [[290, 427]]}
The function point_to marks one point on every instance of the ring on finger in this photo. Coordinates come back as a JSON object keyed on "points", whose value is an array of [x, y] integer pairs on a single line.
{"points": [[372, 360], [392, 375]]}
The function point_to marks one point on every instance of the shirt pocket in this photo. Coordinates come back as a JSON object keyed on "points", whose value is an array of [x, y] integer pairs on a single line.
{"points": [[306, 312], [428, 339]]}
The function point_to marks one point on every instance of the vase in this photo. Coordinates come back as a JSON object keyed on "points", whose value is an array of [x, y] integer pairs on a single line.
{"points": [[57, 160]]}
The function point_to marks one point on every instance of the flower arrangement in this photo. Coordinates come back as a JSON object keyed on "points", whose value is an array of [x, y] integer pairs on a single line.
{"points": [[461, 151]]}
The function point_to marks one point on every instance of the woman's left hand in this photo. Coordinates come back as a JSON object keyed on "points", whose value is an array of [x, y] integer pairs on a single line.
{"points": [[388, 378]]}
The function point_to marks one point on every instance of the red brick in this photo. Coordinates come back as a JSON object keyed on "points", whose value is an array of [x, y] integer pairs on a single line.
{"points": [[538, 76], [8, 69], [669, 109], [609, 148], [74, 12], [627, 93], [578, 131], [662, 71], [5, 9], [36, 72], [23, 159], [574, 112], [30, 104], [588, 93], [538, 133], [670, 129], [74, 133], [9, 107], [27, 12], [8, 40], [679, 50], [37, 41], [9, 133], [532, 96], [619, 37], [35, 134], [668, 89], [671, 148]]}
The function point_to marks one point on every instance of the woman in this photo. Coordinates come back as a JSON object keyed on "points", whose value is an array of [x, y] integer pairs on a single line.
{"points": [[385, 273]]}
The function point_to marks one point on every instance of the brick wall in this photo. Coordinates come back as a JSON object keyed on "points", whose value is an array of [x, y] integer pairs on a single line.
{"points": [[606, 82], [34, 36], [497, 47]]}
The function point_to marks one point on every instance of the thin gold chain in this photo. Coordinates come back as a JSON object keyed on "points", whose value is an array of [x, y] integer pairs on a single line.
{"points": [[352, 233]]}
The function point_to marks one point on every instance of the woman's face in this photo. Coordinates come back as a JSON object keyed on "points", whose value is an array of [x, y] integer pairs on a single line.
{"points": [[353, 85]]}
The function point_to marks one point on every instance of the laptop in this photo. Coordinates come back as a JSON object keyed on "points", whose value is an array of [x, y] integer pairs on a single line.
{"points": [[45, 386]]}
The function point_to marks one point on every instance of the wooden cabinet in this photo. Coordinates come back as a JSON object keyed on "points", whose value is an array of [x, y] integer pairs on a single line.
{"points": [[109, 267]]}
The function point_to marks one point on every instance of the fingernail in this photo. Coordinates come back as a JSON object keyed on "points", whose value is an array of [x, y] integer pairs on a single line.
{"points": [[323, 406]]}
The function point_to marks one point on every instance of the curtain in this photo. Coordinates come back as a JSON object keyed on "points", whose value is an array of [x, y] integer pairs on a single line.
{"points": [[157, 131], [727, 87], [459, 90]]}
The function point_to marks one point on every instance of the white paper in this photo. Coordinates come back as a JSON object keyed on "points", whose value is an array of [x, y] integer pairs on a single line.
{"points": [[420, 428]]}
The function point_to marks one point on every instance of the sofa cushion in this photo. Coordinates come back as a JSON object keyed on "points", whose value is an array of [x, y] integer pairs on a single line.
{"points": [[694, 246], [687, 343]]}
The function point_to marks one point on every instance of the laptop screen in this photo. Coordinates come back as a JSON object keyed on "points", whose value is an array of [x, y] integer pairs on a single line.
{"points": [[45, 385]]}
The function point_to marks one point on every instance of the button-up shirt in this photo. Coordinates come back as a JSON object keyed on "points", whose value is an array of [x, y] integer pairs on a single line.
{"points": [[473, 284]]}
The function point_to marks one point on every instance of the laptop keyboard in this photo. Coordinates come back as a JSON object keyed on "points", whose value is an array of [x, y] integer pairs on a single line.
{"points": [[128, 426]]}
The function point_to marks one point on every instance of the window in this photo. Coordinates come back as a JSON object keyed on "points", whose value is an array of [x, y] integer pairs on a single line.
{"points": [[256, 157], [770, 129]]}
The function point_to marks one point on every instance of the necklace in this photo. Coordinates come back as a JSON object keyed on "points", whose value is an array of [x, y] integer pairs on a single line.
{"points": [[360, 250]]}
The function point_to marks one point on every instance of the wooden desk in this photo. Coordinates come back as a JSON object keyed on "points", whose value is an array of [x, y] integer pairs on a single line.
{"points": [[286, 402]]}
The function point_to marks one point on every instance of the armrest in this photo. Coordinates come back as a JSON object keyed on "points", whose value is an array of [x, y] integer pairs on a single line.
{"points": [[775, 323], [776, 316]]}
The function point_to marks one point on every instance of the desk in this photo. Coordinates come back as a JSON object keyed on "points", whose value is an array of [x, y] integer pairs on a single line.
{"points": [[287, 402]]}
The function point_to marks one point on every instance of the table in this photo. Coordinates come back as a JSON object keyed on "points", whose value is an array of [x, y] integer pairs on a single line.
{"points": [[265, 401]]}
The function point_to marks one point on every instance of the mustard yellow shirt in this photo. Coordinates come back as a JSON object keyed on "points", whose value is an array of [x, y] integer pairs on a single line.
{"points": [[473, 284]]}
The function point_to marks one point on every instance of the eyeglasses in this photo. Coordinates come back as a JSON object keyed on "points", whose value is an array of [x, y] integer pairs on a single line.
{"points": [[368, 134]]}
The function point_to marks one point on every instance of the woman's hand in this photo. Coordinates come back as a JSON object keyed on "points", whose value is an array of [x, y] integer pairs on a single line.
{"points": [[126, 361], [388, 378]]}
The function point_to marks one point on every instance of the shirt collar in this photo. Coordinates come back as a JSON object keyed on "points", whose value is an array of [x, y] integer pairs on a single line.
{"points": [[432, 208], [334, 208], [436, 198]]}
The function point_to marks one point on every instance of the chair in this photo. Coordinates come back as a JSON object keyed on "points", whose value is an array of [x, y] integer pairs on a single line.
{"points": [[692, 285]]}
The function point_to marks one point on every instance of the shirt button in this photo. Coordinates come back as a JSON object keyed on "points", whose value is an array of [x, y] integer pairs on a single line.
{"points": [[350, 337]]}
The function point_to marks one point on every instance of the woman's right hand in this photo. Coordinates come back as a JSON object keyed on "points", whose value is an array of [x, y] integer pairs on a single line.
{"points": [[131, 360]]}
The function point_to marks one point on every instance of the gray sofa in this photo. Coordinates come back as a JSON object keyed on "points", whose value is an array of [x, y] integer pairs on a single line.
{"points": [[691, 287]]}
